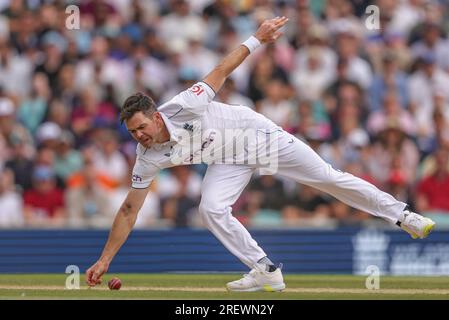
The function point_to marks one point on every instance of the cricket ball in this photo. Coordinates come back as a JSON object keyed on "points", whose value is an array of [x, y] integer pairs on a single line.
{"points": [[115, 283]]}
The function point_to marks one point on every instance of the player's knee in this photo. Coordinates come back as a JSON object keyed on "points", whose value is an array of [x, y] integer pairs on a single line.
{"points": [[204, 211], [206, 206], [209, 207], [332, 175]]}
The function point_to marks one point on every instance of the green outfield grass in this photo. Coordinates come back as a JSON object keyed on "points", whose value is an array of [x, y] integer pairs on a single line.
{"points": [[212, 286]]}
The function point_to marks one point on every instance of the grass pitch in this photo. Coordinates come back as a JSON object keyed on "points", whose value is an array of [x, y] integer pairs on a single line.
{"points": [[212, 286]]}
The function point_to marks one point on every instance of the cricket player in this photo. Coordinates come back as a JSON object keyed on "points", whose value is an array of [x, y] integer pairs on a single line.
{"points": [[164, 135]]}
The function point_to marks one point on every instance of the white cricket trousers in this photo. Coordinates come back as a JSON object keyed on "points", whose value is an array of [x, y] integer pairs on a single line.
{"points": [[223, 184]]}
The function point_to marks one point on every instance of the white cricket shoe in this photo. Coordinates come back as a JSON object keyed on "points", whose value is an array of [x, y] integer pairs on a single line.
{"points": [[416, 225], [259, 279]]}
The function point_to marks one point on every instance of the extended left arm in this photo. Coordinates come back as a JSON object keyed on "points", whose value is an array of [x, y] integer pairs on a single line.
{"points": [[267, 32]]}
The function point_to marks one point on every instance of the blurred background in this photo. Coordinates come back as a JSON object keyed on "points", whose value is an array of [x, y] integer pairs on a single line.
{"points": [[374, 103]]}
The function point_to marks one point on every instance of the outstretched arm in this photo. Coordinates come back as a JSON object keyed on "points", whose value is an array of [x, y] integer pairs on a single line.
{"points": [[267, 32], [122, 226]]}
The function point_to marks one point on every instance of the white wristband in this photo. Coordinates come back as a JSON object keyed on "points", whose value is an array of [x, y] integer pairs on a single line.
{"points": [[252, 43]]}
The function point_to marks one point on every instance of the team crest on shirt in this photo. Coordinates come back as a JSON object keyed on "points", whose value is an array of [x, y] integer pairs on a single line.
{"points": [[188, 127]]}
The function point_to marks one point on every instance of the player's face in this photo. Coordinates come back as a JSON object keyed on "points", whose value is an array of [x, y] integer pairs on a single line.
{"points": [[147, 130]]}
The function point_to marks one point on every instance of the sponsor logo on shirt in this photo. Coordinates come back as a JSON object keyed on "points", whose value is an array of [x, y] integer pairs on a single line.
{"points": [[196, 89], [136, 178]]}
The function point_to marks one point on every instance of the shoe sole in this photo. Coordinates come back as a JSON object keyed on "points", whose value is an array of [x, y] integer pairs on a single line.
{"points": [[265, 288], [427, 230]]}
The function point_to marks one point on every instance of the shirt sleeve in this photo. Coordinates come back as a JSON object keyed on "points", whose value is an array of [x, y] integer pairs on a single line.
{"points": [[143, 173], [196, 98]]}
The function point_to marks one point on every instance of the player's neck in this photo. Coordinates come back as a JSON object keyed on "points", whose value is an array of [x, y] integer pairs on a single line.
{"points": [[165, 134]]}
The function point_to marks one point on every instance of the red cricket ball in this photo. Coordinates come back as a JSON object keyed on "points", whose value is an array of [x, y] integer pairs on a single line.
{"points": [[115, 283]]}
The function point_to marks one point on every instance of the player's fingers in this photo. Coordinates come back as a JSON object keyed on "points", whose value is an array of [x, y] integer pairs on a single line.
{"points": [[278, 23], [90, 282], [277, 35], [89, 274], [273, 22], [97, 275]]}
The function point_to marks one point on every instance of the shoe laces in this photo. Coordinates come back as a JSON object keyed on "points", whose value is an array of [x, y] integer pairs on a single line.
{"points": [[247, 277], [252, 274], [413, 221]]}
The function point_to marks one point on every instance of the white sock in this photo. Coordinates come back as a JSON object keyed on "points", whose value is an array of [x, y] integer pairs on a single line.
{"points": [[270, 265]]}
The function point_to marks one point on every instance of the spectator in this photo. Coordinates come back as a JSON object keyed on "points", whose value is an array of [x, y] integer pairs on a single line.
{"points": [[307, 206], [318, 38], [393, 143], [276, 106], [48, 134], [348, 148], [228, 94], [341, 93], [67, 159], [54, 45], [432, 190], [180, 24], [34, 109], [15, 70], [92, 113], [108, 160], [402, 16], [87, 202], [267, 196], [197, 57], [180, 207], [264, 70], [348, 42], [391, 111], [311, 80], [59, 113], [349, 104], [102, 12], [312, 120], [432, 43], [440, 140], [11, 207], [97, 69], [10, 129], [149, 73], [390, 78], [304, 21], [21, 163], [424, 84], [66, 91], [44, 202]]}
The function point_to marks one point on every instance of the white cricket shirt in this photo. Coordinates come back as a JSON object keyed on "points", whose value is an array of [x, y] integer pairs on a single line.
{"points": [[202, 130]]}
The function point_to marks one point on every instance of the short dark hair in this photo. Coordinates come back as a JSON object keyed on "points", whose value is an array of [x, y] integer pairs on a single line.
{"points": [[138, 102]]}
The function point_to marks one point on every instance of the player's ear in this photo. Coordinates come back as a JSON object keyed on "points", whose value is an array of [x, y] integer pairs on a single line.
{"points": [[157, 118]]}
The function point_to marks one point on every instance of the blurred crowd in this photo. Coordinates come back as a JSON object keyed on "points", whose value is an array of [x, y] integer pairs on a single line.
{"points": [[374, 103]]}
